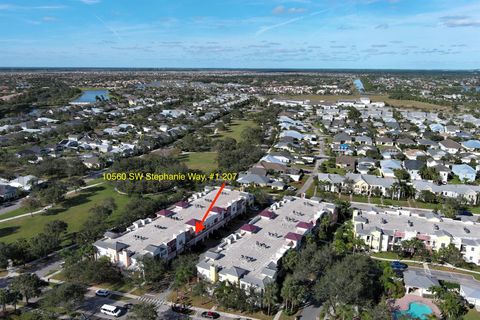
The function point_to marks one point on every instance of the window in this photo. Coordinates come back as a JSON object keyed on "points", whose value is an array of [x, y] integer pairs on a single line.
{"points": [[473, 249]]}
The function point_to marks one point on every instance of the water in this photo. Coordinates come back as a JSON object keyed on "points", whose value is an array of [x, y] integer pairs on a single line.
{"points": [[359, 85], [89, 96], [415, 310]]}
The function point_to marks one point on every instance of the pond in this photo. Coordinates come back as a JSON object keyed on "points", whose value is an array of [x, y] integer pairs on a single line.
{"points": [[90, 96]]}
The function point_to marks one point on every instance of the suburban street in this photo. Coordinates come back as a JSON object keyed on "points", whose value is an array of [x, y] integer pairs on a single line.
{"points": [[321, 157]]}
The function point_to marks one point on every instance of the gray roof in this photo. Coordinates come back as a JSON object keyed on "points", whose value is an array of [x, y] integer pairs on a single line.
{"points": [[117, 246], [252, 178], [234, 271], [413, 164], [419, 280]]}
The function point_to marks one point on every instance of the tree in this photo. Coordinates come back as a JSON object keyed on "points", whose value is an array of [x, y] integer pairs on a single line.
{"points": [[4, 298], [289, 260], [153, 269], [401, 174], [452, 207], [428, 196], [67, 296], [344, 210], [185, 269], [55, 229], [348, 185], [76, 183], [450, 254], [93, 271], [353, 281], [31, 203], [144, 311], [354, 114], [430, 173], [345, 240], [28, 284], [414, 247], [270, 296], [292, 293], [53, 194], [452, 305]]}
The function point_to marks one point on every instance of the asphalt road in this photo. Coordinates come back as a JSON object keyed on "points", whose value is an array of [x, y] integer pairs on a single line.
{"points": [[13, 205], [464, 279]]}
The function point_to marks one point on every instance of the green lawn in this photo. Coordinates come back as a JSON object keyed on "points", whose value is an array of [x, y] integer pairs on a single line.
{"points": [[74, 211], [234, 130], [339, 171], [472, 315], [14, 213], [205, 161]]}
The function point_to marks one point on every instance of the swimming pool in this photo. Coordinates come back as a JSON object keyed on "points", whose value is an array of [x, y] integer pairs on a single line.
{"points": [[416, 310]]}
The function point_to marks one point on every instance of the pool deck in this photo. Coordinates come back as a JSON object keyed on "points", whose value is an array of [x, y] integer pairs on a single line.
{"points": [[404, 302]]}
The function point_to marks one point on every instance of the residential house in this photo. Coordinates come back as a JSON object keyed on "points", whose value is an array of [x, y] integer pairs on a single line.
{"points": [[388, 167], [345, 162], [464, 172], [418, 282], [450, 146], [413, 168]]}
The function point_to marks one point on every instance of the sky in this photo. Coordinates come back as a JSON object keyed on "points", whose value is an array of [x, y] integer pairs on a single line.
{"points": [[361, 34]]}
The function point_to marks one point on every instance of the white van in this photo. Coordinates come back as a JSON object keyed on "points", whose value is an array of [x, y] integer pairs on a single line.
{"points": [[110, 310]]}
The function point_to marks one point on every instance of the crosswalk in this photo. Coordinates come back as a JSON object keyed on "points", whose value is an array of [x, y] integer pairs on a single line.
{"points": [[152, 300]]}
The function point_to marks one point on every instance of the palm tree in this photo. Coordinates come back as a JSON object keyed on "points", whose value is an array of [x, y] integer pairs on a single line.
{"points": [[270, 296], [348, 185], [4, 299]]}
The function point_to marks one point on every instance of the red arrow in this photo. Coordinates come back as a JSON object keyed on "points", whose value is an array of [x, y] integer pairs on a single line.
{"points": [[199, 224]]}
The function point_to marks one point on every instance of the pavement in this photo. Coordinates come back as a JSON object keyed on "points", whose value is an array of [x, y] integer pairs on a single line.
{"points": [[13, 205], [311, 311], [321, 158], [449, 276]]}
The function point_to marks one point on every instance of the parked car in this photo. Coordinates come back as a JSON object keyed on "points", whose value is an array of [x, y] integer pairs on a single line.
{"points": [[397, 265], [182, 310], [210, 315], [102, 293], [110, 310]]}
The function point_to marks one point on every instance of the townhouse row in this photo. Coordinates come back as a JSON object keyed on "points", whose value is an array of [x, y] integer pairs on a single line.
{"points": [[173, 230], [251, 256], [385, 229]]}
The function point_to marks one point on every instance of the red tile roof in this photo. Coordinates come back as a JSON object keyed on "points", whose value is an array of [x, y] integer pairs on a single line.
{"points": [[305, 225], [182, 204], [218, 209], [165, 213], [293, 236], [192, 222], [250, 228], [267, 214]]}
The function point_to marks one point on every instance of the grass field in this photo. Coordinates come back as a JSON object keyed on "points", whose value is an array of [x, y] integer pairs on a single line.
{"points": [[375, 98], [74, 211], [472, 315], [234, 130], [205, 161]]}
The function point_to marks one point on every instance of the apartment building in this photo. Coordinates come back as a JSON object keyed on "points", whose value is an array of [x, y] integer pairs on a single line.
{"points": [[251, 255], [173, 230], [383, 229]]}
